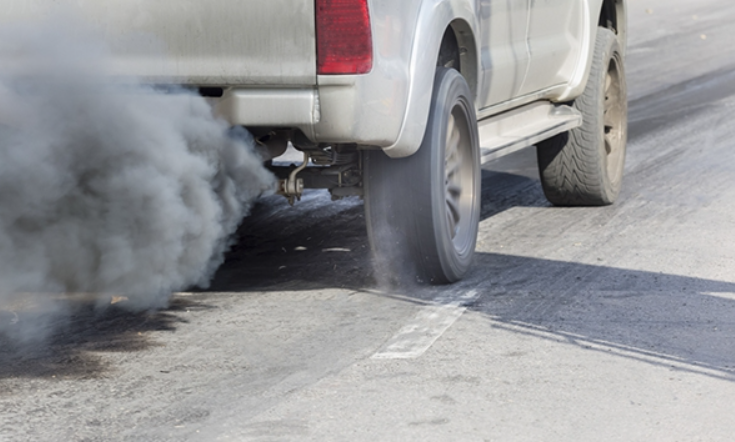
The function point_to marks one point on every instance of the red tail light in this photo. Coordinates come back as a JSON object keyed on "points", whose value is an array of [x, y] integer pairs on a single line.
{"points": [[343, 37]]}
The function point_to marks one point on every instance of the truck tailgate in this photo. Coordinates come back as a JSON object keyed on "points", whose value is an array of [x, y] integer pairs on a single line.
{"points": [[201, 42]]}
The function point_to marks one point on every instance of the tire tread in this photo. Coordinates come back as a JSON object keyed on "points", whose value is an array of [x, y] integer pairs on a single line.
{"points": [[571, 165]]}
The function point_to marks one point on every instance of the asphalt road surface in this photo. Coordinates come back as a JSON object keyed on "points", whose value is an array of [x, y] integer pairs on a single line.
{"points": [[600, 324]]}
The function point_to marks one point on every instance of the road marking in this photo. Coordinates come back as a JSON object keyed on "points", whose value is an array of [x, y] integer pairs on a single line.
{"points": [[428, 325], [723, 295]]}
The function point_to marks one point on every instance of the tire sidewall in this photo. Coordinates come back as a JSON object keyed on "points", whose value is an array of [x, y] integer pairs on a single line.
{"points": [[611, 184], [451, 92]]}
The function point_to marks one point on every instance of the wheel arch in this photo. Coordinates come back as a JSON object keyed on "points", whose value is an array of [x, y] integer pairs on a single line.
{"points": [[459, 48], [437, 20], [611, 14]]}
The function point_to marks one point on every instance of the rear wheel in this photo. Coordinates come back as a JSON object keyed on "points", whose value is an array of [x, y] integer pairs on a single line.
{"points": [[584, 167], [423, 211]]}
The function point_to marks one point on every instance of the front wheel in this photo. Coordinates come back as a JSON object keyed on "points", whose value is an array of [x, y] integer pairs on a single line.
{"points": [[423, 211], [584, 167]]}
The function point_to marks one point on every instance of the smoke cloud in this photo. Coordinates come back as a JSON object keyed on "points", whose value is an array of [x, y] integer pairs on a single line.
{"points": [[109, 188]]}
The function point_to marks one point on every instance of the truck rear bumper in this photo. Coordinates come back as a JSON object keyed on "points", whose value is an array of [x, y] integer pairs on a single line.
{"points": [[269, 107], [345, 110]]}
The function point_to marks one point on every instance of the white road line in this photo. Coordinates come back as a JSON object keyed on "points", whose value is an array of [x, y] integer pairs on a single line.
{"points": [[430, 323], [723, 295]]}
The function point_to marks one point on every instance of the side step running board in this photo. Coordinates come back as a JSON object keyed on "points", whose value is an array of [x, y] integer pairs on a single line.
{"points": [[523, 127]]}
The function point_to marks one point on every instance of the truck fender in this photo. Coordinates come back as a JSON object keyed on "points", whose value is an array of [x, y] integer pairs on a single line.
{"points": [[433, 19], [592, 15]]}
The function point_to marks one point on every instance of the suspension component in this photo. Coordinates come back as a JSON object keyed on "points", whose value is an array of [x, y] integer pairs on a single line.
{"points": [[335, 168]]}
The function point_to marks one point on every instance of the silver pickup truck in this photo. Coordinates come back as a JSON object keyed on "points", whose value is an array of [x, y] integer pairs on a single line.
{"points": [[398, 101]]}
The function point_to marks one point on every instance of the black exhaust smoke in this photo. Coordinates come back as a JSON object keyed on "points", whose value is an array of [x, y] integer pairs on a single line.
{"points": [[108, 188]]}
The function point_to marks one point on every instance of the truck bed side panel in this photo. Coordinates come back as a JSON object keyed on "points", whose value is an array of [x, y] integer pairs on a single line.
{"points": [[213, 42]]}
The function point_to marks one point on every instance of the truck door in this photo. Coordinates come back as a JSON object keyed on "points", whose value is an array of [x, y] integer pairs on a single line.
{"points": [[555, 33], [504, 55]]}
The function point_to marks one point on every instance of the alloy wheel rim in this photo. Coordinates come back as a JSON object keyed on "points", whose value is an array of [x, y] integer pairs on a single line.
{"points": [[614, 116], [458, 180]]}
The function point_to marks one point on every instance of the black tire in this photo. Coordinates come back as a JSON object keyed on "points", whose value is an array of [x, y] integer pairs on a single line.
{"points": [[584, 167], [423, 211]]}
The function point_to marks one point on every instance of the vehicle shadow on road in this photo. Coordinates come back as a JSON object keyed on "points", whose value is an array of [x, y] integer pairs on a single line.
{"points": [[316, 244], [75, 338], [673, 321], [502, 191]]}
